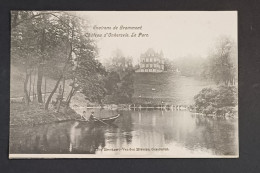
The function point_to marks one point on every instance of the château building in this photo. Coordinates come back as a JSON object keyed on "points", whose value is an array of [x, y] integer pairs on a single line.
{"points": [[151, 61]]}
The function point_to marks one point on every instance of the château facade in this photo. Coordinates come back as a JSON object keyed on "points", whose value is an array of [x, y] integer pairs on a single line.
{"points": [[151, 61]]}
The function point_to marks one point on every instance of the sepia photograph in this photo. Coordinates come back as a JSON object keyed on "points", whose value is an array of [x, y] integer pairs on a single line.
{"points": [[123, 84]]}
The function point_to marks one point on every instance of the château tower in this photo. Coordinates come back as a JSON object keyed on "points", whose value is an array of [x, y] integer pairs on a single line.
{"points": [[151, 62]]}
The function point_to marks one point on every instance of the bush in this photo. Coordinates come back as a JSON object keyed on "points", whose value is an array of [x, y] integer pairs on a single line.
{"points": [[218, 101]]}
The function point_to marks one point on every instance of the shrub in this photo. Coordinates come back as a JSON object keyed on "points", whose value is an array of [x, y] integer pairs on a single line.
{"points": [[216, 101]]}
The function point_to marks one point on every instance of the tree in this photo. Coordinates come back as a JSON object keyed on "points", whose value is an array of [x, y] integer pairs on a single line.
{"points": [[35, 35], [94, 89], [216, 101], [63, 63], [169, 65], [111, 82], [82, 68], [222, 63], [126, 90], [119, 63], [24, 47], [89, 73], [55, 44], [119, 82]]}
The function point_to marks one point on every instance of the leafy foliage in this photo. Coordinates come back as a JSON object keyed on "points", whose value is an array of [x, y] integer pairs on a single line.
{"points": [[87, 73], [90, 75], [111, 82], [57, 40], [216, 101], [126, 89], [222, 62], [119, 81]]}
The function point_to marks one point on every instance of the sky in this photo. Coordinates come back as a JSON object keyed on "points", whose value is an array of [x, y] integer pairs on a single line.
{"points": [[176, 33]]}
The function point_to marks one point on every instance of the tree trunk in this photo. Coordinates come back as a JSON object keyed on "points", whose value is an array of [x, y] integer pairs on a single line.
{"points": [[63, 88], [59, 103], [39, 83], [40, 68], [53, 91], [68, 100], [72, 92], [226, 82], [30, 82], [26, 96], [44, 88], [68, 103], [63, 83], [34, 85], [57, 84], [14, 19]]}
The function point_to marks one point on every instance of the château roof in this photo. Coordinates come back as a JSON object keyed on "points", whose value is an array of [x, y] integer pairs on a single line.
{"points": [[151, 52]]}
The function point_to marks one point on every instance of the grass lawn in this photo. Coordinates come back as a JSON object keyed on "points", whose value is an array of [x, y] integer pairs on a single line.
{"points": [[167, 87], [17, 78]]}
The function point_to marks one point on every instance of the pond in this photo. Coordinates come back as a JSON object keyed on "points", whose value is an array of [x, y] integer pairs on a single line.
{"points": [[142, 133]]}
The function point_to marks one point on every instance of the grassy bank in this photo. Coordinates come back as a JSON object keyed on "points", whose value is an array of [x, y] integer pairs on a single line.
{"points": [[35, 114], [167, 87], [17, 78]]}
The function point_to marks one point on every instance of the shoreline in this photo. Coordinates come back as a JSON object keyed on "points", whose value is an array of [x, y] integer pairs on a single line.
{"points": [[35, 114]]}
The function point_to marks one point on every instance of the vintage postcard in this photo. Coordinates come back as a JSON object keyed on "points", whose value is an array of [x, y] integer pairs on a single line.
{"points": [[124, 84]]}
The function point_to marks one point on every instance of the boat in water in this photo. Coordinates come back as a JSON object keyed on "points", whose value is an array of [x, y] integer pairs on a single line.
{"points": [[101, 121]]}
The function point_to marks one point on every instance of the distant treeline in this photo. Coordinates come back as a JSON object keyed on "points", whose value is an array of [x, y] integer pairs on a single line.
{"points": [[220, 65]]}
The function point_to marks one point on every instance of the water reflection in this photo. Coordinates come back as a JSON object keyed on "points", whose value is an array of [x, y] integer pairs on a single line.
{"points": [[86, 139], [69, 137], [179, 131]]}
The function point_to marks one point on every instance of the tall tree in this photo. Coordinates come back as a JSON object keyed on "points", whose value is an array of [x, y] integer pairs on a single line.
{"points": [[34, 35], [222, 62], [23, 46], [111, 82], [57, 45], [89, 73], [80, 64]]}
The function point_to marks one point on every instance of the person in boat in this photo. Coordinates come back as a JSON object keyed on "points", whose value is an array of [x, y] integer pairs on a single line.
{"points": [[92, 118], [83, 116]]}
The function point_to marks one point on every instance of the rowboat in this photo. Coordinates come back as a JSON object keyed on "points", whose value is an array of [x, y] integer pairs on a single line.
{"points": [[101, 121]]}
